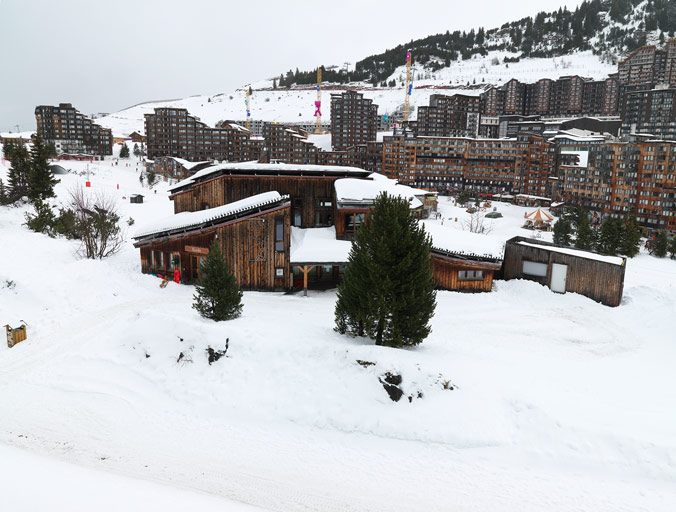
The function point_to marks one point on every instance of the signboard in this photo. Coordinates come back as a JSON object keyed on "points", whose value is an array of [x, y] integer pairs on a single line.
{"points": [[196, 250]]}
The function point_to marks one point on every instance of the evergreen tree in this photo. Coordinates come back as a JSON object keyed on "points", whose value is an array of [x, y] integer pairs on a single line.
{"points": [[660, 244], [610, 238], [218, 296], [672, 246], [388, 290], [124, 151], [4, 194], [585, 236], [563, 231], [19, 170], [631, 238], [41, 180], [136, 150]]}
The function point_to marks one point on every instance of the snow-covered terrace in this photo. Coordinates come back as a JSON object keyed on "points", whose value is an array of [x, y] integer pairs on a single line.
{"points": [[318, 245], [614, 260]]}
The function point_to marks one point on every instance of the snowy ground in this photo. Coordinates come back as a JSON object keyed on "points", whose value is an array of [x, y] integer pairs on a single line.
{"points": [[559, 403], [297, 105]]}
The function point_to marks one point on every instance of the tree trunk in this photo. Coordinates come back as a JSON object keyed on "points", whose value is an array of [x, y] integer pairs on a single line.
{"points": [[379, 332]]}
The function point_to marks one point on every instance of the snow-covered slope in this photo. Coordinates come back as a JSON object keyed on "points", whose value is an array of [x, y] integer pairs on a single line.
{"points": [[297, 105], [558, 403]]}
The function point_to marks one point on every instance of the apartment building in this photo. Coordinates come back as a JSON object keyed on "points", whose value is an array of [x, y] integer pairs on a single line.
{"points": [[620, 178], [174, 132], [486, 166], [354, 120], [651, 111], [72, 132], [287, 144], [647, 67], [457, 115]]}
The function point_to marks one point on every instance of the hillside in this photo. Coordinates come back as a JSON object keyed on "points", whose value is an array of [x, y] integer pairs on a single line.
{"points": [[297, 103], [608, 28]]}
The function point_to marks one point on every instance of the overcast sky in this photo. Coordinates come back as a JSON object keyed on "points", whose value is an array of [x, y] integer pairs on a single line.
{"points": [[104, 55]]}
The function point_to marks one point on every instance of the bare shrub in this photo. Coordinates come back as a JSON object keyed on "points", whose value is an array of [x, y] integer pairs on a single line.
{"points": [[476, 223], [96, 224]]}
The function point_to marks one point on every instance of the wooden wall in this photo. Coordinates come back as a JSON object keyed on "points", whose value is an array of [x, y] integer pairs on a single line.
{"points": [[445, 270], [307, 190], [248, 245], [598, 280]]}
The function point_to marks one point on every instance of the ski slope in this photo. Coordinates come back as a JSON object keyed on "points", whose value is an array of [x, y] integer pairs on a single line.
{"points": [[558, 403], [297, 105]]}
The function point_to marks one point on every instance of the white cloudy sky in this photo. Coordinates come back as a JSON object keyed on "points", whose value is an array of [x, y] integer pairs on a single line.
{"points": [[104, 55]]}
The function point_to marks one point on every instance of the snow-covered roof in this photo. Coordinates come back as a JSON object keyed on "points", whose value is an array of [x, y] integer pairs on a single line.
{"points": [[578, 135], [449, 239], [185, 220], [187, 164], [614, 260], [536, 198], [321, 140], [279, 168], [355, 190], [318, 245]]}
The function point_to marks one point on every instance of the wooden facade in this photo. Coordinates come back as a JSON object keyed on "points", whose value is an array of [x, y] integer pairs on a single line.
{"points": [[599, 280], [463, 273], [254, 251], [312, 193]]}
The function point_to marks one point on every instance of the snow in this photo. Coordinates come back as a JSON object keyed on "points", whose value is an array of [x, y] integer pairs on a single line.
{"points": [[615, 260], [583, 157], [185, 220], [458, 241], [262, 167], [318, 245], [297, 104], [34, 482], [187, 164], [354, 190], [559, 404], [322, 140]]}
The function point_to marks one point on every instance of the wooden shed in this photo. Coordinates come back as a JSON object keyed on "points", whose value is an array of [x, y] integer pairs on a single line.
{"points": [[465, 273], [136, 198], [564, 269]]}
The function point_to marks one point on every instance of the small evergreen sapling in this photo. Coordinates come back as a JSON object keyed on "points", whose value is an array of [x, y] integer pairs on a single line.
{"points": [[41, 180], [563, 231], [218, 296], [586, 237], [124, 151], [631, 238]]}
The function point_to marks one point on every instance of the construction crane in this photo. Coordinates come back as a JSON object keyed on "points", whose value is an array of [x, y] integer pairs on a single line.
{"points": [[409, 87], [247, 101], [318, 102]]}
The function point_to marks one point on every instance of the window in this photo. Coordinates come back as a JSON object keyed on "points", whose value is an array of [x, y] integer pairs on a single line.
{"points": [[532, 268], [470, 275], [324, 213], [354, 220], [279, 272], [279, 234]]}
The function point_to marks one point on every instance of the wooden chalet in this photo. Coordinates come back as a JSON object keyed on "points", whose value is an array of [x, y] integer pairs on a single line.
{"points": [[564, 269], [463, 273], [254, 234], [355, 198], [310, 188]]}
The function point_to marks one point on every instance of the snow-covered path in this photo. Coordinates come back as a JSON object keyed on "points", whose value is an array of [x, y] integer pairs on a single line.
{"points": [[560, 403]]}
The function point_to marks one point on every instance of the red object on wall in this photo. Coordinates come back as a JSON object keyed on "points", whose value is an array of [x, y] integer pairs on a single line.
{"points": [[177, 276], [88, 183]]}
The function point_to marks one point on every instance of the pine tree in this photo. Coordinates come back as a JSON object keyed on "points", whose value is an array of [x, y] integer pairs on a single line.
{"points": [[631, 238], [17, 177], [136, 150], [610, 238], [218, 296], [672, 246], [4, 198], [660, 244], [563, 231], [41, 180], [124, 151], [585, 236], [388, 290]]}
